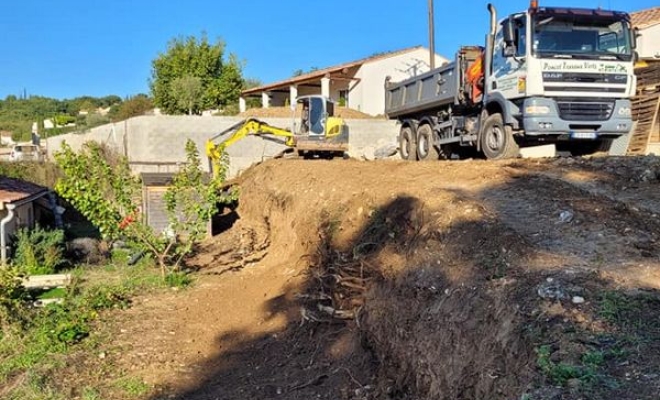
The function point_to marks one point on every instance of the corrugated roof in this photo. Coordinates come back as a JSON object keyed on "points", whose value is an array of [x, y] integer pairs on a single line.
{"points": [[645, 18], [13, 190], [322, 72]]}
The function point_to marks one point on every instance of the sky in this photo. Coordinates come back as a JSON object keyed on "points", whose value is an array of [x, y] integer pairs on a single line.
{"points": [[71, 48]]}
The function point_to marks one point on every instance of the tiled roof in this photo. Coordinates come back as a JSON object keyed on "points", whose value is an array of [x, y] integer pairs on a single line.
{"points": [[645, 18], [13, 190], [322, 72]]}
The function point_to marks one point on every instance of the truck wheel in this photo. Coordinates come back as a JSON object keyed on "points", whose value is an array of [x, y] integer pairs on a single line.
{"points": [[425, 148], [407, 144], [497, 141]]}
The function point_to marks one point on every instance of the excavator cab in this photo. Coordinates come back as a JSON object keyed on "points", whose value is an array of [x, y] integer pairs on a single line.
{"points": [[317, 117]]}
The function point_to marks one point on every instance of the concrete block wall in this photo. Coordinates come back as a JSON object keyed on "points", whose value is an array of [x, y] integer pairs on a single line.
{"points": [[157, 143]]}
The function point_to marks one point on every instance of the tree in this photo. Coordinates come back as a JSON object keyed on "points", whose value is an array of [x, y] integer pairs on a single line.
{"points": [[187, 91], [221, 80], [99, 184], [131, 107]]}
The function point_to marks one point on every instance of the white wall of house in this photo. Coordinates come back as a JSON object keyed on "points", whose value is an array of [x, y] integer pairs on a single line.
{"points": [[368, 93], [23, 217], [648, 45]]}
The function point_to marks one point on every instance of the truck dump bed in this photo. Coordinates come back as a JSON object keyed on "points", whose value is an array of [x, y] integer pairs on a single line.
{"points": [[434, 89]]}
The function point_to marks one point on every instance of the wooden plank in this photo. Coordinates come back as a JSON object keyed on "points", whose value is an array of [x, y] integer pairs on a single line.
{"points": [[47, 281]]}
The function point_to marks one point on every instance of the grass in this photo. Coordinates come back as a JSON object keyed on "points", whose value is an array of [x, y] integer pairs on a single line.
{"points": [[132, 386], [559, 373], [31, 354]]}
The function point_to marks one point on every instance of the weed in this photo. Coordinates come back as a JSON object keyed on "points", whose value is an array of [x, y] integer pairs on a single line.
{"points": [[12, 296], [90, 394], [39, 251], [178, 279], [561, 373], [132, 386], [55, 293], [614, 306]]}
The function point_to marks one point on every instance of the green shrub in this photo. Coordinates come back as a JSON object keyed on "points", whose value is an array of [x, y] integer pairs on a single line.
{"points": [[178, 279], [12, 295], [39, 251]]}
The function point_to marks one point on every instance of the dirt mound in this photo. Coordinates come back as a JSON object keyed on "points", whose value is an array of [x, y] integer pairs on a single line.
{"points": [[344, 279], [285, 112], [453, 269]]}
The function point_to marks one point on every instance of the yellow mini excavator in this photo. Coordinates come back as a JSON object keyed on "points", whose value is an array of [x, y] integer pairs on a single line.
{"points": [[316, 133]]}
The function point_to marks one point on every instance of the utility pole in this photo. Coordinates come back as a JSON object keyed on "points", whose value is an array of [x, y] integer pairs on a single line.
{"points": [[431, 36]]}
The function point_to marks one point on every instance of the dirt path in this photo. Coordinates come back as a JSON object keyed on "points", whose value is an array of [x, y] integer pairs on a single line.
{"points": [[249, 329]]}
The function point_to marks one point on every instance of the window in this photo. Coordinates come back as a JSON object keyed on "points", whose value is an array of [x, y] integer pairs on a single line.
{"points": [[521, 37], [582, 37], [343, 98]]}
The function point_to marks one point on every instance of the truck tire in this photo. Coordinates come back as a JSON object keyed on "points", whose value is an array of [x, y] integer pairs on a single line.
{"points": [[497, 141], [407, 144], [425, 148]]}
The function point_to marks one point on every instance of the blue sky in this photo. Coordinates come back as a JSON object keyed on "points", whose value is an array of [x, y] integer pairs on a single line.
{"points": [[71, 48]]}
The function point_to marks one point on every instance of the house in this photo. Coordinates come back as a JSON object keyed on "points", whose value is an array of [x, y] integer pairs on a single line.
{"points": [[648, 23], [21, 204], [358, 84]]}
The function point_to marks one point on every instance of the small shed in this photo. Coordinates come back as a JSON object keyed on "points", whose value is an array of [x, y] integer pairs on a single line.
{"points": [[21, 205], [154, 186]]}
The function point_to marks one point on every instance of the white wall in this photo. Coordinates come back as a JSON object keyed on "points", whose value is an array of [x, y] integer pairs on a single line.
{"points": [[23, 217], [648, 45], [368, 95]]}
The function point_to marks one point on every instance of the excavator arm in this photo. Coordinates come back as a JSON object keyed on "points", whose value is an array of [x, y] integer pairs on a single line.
{"points": [[237, 132]]}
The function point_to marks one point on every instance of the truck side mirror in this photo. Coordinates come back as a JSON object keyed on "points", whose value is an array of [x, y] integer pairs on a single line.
{"points": [[635, 35], [509, 33]]}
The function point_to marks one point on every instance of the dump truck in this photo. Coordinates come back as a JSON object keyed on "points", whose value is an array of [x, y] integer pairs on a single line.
{"points": [[547, 75], [316, 132]]}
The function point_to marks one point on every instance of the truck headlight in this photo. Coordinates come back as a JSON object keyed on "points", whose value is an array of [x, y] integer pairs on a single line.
{"points": [[537, 110], [624, 111]]}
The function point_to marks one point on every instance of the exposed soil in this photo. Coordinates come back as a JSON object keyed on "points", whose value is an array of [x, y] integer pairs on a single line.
{"points": [[397, 280]]}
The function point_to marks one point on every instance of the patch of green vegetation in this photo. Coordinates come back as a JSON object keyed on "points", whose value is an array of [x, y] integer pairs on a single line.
{"points": [[560, 373], [39, 251], [132, 386], [55, 293], [89, 393], [614, 306], [178, 279], [33, 344]]}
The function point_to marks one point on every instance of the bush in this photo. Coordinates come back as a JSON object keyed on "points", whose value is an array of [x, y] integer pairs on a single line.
{"points": [[12, 295], [38, 251]]}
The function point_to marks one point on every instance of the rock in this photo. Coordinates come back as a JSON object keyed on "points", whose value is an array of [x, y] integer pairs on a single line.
{"points": [[573, 383], [578, 299], [551, 290], [647, 176], [566, 216], [368, 153], [87, 250], [385, 151]]}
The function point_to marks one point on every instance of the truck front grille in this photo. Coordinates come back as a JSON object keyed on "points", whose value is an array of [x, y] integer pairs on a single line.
{"points": [[585, 110]]}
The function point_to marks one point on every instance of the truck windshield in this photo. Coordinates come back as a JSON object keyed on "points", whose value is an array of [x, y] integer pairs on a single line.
{"points": [[581, 37]]}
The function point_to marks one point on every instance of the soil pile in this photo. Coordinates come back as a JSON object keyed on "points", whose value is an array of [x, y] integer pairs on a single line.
{"points": [[466, 280], [342, 279]]}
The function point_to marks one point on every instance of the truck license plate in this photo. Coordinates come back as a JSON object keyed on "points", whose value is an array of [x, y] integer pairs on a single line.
{"points": [[584, 135]]}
